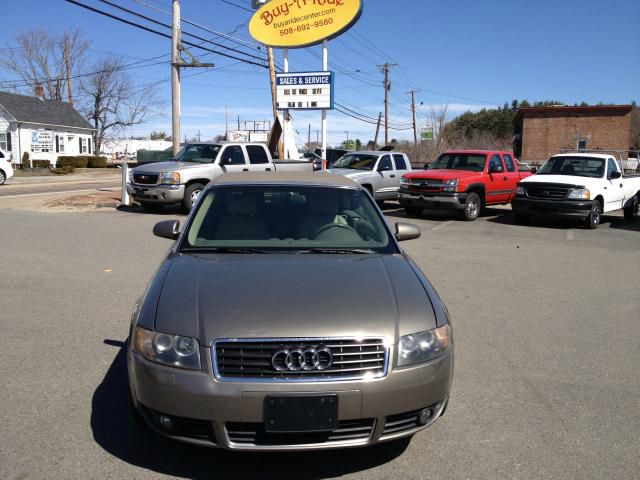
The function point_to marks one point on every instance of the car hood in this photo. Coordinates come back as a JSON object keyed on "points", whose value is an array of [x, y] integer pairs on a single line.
{"points": [[562, 179], [167, 167], [351, 173], [442, 174], [288, 295]]}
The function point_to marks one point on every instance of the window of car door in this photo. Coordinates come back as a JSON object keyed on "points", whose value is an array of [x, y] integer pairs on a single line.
{"points": [[611, 167], [508, 160], [385, 164], [232, 157], [401, 163], [258, 158]]}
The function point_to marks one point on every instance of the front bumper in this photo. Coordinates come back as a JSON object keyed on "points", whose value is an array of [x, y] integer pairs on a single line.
{"points": [[552, 208], [443, 200], [160, 194], [232, 413]]}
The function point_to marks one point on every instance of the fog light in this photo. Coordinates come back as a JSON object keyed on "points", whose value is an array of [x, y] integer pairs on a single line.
{"points": [[424, 416], [164, 195], [165, 422]]}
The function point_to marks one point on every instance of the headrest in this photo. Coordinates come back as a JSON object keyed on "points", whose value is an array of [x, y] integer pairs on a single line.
{"points": [[323, 203], [244, 204]]}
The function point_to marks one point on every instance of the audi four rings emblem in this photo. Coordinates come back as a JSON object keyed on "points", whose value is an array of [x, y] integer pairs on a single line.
{"points": [[303, 358]]}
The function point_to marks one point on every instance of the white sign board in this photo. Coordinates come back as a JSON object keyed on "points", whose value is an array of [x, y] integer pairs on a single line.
{"points": [[41, 141], [238, 136], [304, 91], [258, 137]]}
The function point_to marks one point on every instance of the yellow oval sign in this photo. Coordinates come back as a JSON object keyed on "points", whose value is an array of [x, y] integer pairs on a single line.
{"points": [[302, 23]]}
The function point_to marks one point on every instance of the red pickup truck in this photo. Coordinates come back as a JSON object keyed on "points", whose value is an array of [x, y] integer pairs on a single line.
{"points": [[465, 180]]}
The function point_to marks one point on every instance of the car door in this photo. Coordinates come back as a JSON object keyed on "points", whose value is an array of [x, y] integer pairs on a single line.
{"points": [[232, 159], [259, 160], [402, 165], [497, 184], [511, 172], [387, 178], [614, 195]]}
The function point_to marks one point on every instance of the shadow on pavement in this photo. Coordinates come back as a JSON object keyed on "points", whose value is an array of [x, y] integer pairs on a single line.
{"points": [[167, 210], [116, 431], [566, 223]]}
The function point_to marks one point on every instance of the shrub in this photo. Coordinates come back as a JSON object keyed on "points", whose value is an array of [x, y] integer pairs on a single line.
{"points": [[63, 170], [41, 164], [97, 162], [25, 160], [75, 162]]}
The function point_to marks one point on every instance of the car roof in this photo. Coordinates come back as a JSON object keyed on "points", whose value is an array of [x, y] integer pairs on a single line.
{"points": [[478, 152], [323, 179], [379, 152], [602, 156]]}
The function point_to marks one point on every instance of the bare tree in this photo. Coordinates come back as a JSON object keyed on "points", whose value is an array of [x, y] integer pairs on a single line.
{"points": [[39, 59], [111, 102]]}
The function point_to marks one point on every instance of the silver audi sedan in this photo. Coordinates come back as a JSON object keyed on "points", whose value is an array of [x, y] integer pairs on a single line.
{"points": [[286, 317]]}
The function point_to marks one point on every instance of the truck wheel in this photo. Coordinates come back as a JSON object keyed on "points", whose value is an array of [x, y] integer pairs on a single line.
{"points": [[3, 177], [472, 207], [414, 211], [151, 207], [630, 212], [593, 220], [521, 219], [191, 194]]}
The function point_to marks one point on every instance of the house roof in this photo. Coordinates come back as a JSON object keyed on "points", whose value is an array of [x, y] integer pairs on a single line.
{"points": [[573, 110], [44, 112]]}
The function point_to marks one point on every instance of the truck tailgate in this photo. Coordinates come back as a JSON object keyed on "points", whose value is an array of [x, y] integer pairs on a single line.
{"points": [[302, 166]]}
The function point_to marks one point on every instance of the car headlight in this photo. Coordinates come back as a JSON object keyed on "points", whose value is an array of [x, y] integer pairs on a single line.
{"points": [[579, 194], [172, 350], [404, 181], [170, 178], [421, 347], [519, 190], [450, 185]]}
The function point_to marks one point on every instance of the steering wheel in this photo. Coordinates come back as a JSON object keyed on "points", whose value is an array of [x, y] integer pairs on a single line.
{"points": [[329, 226]]}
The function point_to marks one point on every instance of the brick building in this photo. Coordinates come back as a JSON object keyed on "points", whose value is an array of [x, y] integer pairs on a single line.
{"points": [[544, 131]]}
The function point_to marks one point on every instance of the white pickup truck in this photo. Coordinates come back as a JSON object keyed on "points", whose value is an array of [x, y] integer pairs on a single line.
{"points": [[181, 180], [6, 170], [578, 185]]}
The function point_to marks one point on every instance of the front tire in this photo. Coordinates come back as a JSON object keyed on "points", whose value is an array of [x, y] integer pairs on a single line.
{"points": [[472, 207], [631, 212], [595, 216], [3, 177], [191, 194]]}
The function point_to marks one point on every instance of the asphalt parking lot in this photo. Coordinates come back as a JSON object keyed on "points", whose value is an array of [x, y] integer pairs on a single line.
{"points": [[546, 337]]}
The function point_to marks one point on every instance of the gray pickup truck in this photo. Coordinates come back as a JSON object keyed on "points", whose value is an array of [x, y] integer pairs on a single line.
{"points": [[181, 180], [378, 172]]}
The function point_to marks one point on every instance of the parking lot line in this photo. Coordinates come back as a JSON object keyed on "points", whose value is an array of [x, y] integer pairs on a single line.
{"points": [[442, 225]]}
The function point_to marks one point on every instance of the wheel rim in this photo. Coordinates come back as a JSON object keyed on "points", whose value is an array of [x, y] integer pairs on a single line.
{"points": [[194, 196], [2, 178], [595, 217], [472, 208]]}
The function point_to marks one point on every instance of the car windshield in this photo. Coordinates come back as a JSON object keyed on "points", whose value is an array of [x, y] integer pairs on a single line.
{"points": [[459, 161], [574, 166], [297, 219], [198, 153], [357, 161]]}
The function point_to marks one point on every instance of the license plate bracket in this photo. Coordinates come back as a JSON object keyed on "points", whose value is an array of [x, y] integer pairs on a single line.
{"points": [[302, 413]]}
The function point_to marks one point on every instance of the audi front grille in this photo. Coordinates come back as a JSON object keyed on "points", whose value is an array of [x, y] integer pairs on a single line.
{"points": [[299, 359]]}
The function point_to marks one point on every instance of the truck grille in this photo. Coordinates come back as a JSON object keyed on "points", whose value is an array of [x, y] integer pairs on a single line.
{"points": [[145, 178], [351, 359], [425, 185], [255, 434], [548, 191]]}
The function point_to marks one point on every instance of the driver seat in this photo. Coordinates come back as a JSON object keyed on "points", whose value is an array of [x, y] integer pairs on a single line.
{"points": [[322, 209]]}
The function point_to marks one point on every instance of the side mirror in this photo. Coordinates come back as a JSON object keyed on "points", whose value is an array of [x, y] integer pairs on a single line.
{"points": [[615, 175], [495, 169], [407, 231], [168, 229], [534, 170]]}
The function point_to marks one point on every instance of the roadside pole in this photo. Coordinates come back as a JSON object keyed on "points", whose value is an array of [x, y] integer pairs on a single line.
{"points": [[124, 197], [285, 112], [325, 67], [375, 140], [175, 78]]}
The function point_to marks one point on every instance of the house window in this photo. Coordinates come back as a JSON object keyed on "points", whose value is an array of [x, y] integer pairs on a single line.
{"points": [[61, 143], [582, 144], [3, 142], [84, 147]]}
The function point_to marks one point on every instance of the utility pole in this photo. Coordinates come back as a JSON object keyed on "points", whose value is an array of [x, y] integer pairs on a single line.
{"points": [[226, 123], [385, 69], [176, 64], [199, 135], [413, 109], [309, 138], [66, 61], [375, 140]]}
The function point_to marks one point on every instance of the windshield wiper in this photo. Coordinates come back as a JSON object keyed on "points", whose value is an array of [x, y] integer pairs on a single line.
{"points": [[241, 250], [359, 251]]}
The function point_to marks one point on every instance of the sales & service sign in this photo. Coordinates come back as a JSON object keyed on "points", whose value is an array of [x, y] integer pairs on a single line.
{"points": [[302, 23]]}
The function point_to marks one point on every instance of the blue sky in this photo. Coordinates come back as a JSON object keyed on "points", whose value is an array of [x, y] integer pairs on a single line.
{"points": [[463, 54]]}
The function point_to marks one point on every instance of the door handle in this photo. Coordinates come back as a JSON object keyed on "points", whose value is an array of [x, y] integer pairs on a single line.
{"points": [[267, 169], [620, 185], [245, 169], [393, 176], [505, 178]]}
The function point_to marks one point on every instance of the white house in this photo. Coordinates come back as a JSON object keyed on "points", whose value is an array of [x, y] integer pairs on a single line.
{"points": [[45, 129]]}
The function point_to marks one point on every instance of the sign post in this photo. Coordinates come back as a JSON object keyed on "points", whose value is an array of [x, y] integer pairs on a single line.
{"points": [[325, 68]]}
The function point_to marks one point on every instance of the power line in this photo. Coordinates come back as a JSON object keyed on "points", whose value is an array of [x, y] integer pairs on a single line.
{"points": [[237, 6], [150, 30]]}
